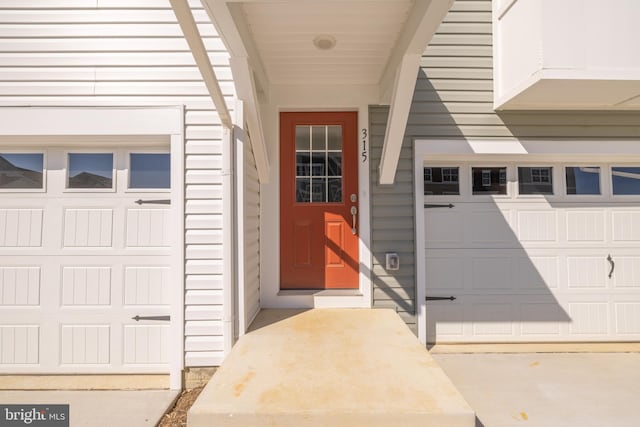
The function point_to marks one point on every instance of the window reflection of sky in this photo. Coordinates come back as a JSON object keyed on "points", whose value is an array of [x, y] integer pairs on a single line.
{"points": [[150, 170], [583, 180], [626, 180], [100, 164], [29, 161]]}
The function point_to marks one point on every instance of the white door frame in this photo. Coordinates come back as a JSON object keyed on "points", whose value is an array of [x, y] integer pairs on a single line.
{"points": [[114, 125], [509, 150]]}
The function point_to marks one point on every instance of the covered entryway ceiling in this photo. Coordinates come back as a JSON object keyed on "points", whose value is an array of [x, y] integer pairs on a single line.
{"points": [[289, 43]]}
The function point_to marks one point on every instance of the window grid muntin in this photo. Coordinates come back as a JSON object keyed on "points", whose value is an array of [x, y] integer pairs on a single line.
{"points": [[325, 178]]}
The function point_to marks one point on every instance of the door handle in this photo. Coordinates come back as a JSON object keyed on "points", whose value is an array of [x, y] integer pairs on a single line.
{"points": [[612, 264], [354, 212]]}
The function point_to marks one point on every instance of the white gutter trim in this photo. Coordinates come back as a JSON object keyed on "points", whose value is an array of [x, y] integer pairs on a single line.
{"points": [[228, 239], [189, 28]]}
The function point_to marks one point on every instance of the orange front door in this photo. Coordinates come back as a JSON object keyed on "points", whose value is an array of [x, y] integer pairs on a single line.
{"points": [[318, 201]]}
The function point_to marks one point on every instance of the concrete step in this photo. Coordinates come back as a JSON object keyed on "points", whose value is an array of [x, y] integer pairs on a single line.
{"points": [[330, 367]]}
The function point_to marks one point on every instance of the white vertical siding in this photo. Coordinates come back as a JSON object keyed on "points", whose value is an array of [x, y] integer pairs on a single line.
{"points": [[132, 53], [251, 201]]}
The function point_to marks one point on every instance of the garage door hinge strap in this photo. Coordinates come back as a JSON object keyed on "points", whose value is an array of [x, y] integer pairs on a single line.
{"points": [[451, 298], [138, 318], [431, 206], [154, 202]]}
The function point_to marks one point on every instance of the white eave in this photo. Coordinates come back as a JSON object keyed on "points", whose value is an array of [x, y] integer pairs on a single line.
{"points": [[372, 43]]}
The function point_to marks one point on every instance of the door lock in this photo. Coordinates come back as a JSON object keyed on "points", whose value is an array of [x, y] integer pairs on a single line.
{"points": [[354, 212]]}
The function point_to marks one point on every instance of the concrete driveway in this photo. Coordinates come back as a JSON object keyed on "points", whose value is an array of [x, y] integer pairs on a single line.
{"points": [[548, 389]]}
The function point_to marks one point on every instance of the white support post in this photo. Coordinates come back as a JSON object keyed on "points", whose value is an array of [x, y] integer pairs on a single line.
{"points": [[229, 236]]}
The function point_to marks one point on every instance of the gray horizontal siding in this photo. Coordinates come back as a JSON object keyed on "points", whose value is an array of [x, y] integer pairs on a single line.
{"points": [[454, 99], [392, 226], [133, 53]]}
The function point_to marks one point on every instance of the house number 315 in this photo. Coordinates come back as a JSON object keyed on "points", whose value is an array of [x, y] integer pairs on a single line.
{"points": [[364, 145]]}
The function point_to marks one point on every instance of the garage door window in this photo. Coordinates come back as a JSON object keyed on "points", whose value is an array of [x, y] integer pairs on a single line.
{"points": [[583, 180], [149, 171], [21, 171], [90, 170], [489, 180], [626, 180], [441, 181], [535, 180]]}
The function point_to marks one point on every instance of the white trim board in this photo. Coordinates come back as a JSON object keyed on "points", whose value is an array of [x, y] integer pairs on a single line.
{"points": [[270, 294], [99, 123]]}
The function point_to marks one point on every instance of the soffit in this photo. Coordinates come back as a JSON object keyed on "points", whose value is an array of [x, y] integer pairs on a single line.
{"points": [[283, 32]]}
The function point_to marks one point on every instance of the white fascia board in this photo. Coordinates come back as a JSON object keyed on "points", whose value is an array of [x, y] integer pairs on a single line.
{"points": [[424, 19], [245, 86], [398, 115], [229, 21], [95, 121], [189, 28]]}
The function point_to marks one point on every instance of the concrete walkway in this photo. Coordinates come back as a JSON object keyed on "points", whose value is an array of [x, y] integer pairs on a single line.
{"points": [[101, 408], [548, 390], [330, 367]]}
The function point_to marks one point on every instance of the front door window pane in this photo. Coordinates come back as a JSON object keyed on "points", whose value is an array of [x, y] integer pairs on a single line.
{"points": [[626, 180], [489, 180], [318, 164], [21, 170], [535, 180], [150, 170], [583, 180], [90, 170], [441, 181]]}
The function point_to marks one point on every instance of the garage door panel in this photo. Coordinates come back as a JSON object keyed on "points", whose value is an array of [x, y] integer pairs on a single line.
{"points": [[589, 318], [585, 226], [85, 344], [586, 272], [537, 226], [490, 228], [445, 229], [626, 226], [627, 272], [446, 272], [88, 227], [145, 344], [540, 320], [627, 318], [145, 285], [86, 285], [20, 227], [147, 227], [20, 286], [536, 273], [19, 344]]}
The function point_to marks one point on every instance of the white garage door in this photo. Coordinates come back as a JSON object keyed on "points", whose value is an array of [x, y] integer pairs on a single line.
{"points": [[79, 259], [544, 252]]}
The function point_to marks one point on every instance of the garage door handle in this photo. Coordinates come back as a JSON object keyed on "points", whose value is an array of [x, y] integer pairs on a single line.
{"points": [[451, 298], [138, 318], [432, 206], [613, 265], [154, 202]]}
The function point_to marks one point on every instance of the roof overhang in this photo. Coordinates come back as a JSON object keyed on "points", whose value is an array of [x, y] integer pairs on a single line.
{"points": [[275, 44]]}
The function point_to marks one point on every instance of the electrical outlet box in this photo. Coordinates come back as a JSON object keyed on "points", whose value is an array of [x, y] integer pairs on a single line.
{"points": [[392, 261]]}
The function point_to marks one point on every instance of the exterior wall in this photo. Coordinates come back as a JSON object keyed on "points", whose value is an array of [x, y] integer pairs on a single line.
{"points": [[392, 225], [251, 218], [132, 53], [454, 99]]}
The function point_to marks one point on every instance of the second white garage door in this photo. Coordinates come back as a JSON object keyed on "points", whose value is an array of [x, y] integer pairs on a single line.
{"points": [[85, 247], [542, 252]]}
